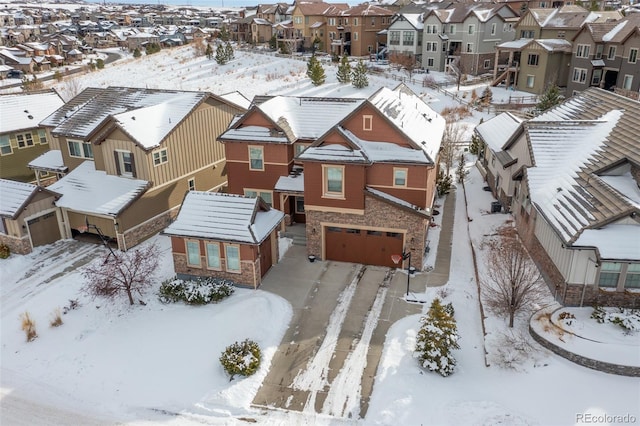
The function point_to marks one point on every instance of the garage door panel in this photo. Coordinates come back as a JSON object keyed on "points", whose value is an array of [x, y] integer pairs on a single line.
{"points": [[370, 247], [44, 229]]}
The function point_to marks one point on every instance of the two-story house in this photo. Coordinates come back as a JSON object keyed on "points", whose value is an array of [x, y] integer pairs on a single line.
{"points": [[605, 55], [22, 139], [366, 184], [308, 16], [574, 185], [462, 38], [273, 13], [132, 154], [404, 35]]}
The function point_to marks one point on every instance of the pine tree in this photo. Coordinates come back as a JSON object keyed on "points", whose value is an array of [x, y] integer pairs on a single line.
{"points": [[136, 53], [221, 55], [437, 337], [550, 98], [477, 146], [344, 70], [359, 76], [487, 96], [209, 52], [315, 71], [228, 51], [224, 34]]}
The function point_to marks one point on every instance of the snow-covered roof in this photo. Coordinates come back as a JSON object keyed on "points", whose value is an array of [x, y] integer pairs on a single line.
{"points": [[147, 115], [50, 161], [237, 99], [498, 130], [560, 150], [626, 186], [334, 153], [25, 111], [415, 19], [411, 115], [614, 242], [88, 190], [515, 44], [224, 217], [254, 133], [398, 201], [14, 196], [291, 183]]}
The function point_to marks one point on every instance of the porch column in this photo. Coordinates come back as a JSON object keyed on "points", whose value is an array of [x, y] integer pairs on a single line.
{"points": [[495, 64]]}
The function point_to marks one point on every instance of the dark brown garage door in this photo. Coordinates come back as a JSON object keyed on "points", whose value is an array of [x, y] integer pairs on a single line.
{"points": [[44, 229], [265, 256], [362, 246]]}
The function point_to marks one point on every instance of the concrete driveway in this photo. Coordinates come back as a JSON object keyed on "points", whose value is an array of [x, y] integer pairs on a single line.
{"points": [[328, 357]]}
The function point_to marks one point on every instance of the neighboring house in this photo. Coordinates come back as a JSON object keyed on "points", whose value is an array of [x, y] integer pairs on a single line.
{"points": [[12, 58], [355, 31], [28, 216], [273, 13], [22, 139], [225, 236], [404, 34], [308, 16], [462, 38], [132, 155], [141, 40], [575, 194], [366, 186], [261, 30], [605, 55]]}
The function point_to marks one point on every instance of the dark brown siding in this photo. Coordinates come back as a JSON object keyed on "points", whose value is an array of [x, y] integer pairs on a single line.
{"points": [[380, 176], [177, 245], [381, 131], [354, 182]]}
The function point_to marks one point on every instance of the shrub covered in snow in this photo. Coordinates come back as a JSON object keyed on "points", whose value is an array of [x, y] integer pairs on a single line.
{"points": [[195, 292], [437, 338], [241, 358], [629, 319]]}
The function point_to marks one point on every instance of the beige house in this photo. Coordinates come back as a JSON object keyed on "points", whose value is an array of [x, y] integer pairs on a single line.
{"points": [[133, 154]]}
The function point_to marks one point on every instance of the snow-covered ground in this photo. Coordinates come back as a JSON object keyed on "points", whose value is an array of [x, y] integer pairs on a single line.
{"points": [[159, 363]]}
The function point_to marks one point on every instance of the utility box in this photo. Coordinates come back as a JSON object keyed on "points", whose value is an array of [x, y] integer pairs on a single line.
{"points": [[496, 207]]}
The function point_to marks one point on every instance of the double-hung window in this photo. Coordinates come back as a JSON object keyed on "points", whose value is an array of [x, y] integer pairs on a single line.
{"points": [[232, 256], [256, 158], [399, 177], [5, 145], [333, 181], [80, 149], [213, 256], [193, 253], [160, 157], [609, 274]]}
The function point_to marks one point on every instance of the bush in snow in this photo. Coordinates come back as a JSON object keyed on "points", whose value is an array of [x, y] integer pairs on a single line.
{"points": [[28, 325], [513, 349], [56, 318], [195, 292], [241, 358], [629, 319], [73, 305], [4, 251], [436, 339]]}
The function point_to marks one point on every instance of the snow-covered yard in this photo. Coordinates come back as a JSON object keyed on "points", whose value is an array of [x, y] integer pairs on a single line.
{"points": [[159, 363]]}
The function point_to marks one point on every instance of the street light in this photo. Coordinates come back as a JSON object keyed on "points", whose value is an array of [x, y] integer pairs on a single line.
{"points": [[407, 255]]}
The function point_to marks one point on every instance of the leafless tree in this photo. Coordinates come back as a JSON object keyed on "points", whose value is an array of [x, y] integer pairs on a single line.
{"points": [[512, 282], [405, 61], [451, 139], [71, 88], [124, 273]]}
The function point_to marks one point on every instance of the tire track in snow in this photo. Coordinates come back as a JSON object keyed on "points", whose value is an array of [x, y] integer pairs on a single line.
{"points": [[343, 398], [314, 378]]}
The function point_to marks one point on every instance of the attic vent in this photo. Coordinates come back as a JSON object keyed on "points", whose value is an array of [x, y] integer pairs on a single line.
{"points": [[30, 117], [133, 118], [26, 111]]}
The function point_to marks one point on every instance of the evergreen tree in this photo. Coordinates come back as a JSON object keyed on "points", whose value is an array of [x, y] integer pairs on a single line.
{"points": [[359, 76], [344, 70], [221, 55], [228, 51], [136, 53], [437, 337], [273, 42], [209, 52], [477, 146], [224, 34], [315, 71], [487, 96], [550, 98]]}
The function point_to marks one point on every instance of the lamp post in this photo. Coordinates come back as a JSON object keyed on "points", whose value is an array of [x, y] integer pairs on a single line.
{"points": [[407, 255]]}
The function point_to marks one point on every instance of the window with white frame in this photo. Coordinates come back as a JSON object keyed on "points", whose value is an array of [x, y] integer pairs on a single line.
{"points": [[432, 47], [124, 163], [267, 196], [487, 64], [597, 76], [42, 137], [582, 51], [493, 29], [297, 19], [213, 256], [394, 37], [633, 56], [531, 81], [333, 181], [430, 62], [232, 257], [628, 80], [599, 49], [80, 149], [191, 184], [533, 59], [452, 29], [632, 276], [355, 22], [256, 158], [5, 145], [193, 253], [408, 38], [160, 156], [24, 140], [373, 21], [612, 53], [300, 147], [355, 36], [367, 122], [507, 28], [471, 29], [332, 22], [579, 75], [400, 177]]}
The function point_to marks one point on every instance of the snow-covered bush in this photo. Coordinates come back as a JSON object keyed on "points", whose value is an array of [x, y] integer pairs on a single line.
{"points": [[512, 349], [629, 319], [195, 292], [436, 339], [241, 358]]}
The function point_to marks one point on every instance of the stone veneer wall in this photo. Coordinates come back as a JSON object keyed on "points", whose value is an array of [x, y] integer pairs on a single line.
{"points": [[378, 214], [138, 234], [250, 271], [16, 245]]}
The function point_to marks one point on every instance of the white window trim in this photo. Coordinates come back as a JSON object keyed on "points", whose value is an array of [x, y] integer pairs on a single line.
{"points": [[206, 248], [533, 81], [24, 138], [226, 259], [9, 145], [159, 152], [406, 176], [624, 81], [121, 161], [81, 143], [186, 250], [191, 184], [367, 123], [261, 148], [610, 50], [325, 182], [636, 59], [573, 76]]}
